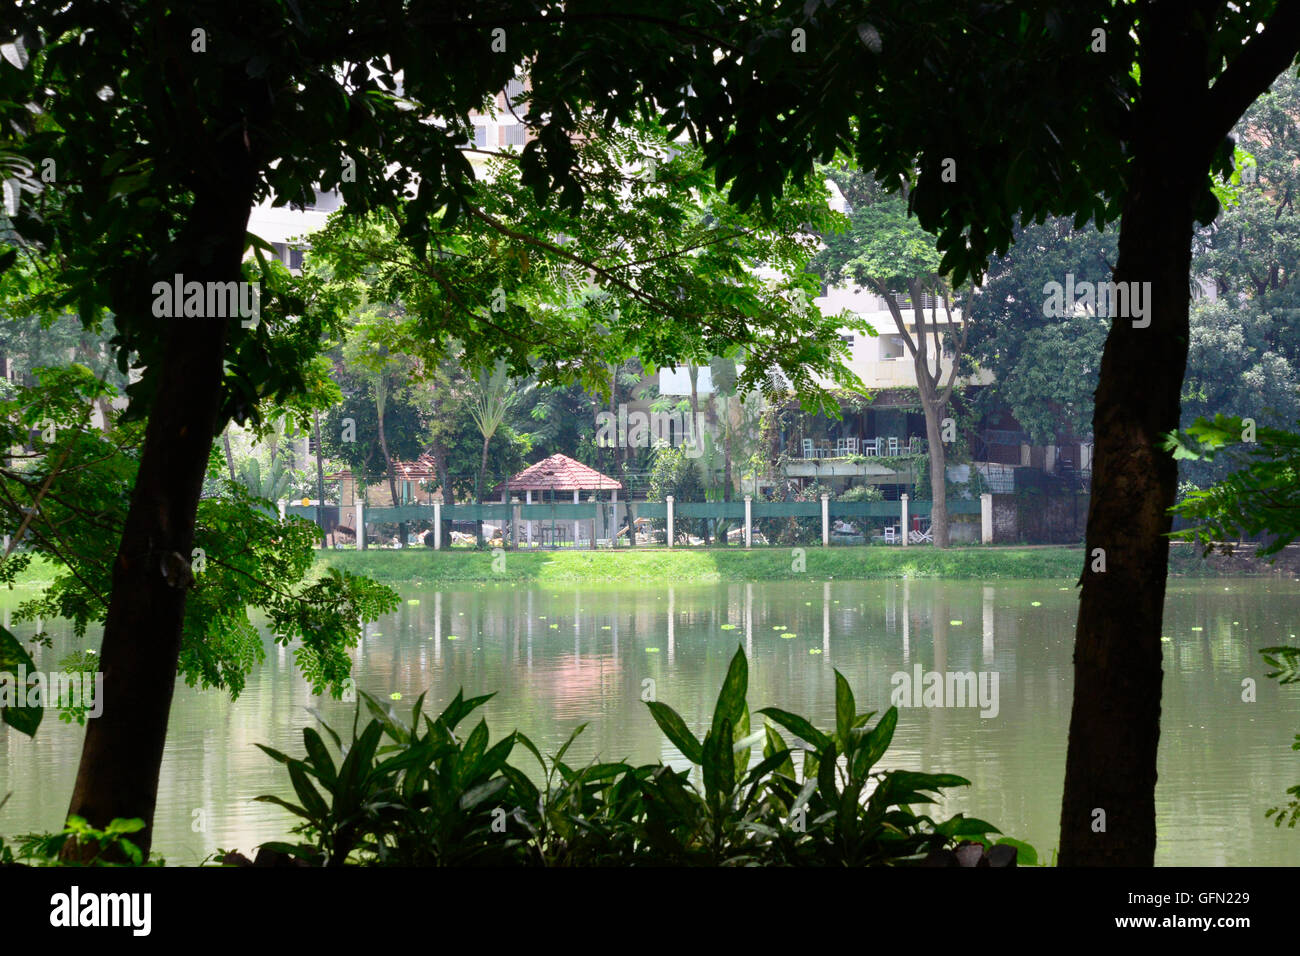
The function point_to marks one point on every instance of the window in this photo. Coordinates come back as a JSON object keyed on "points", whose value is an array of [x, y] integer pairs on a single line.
{"points": [[481, 137], [515, 135], [295, 257], [847, 340]]}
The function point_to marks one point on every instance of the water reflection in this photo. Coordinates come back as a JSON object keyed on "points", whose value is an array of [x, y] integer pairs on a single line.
{"points": [[558, 658]]}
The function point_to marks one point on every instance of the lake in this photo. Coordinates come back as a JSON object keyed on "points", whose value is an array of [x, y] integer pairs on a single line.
{"points": [[560, 657]]}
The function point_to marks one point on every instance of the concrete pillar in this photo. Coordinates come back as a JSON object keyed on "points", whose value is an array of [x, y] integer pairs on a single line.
{"points": [[749, 521], [906, 527], [986, 518], [437, 526], [576, 501], [669, 501], [613, 518], [595, 518], [514, 525], [826, 521], [528, 499]]}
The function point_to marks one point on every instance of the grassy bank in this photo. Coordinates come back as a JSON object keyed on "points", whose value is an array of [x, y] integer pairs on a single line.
{"points": [[706, 565], [700, 565]]}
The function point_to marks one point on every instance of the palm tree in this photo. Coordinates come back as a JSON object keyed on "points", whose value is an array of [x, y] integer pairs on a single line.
{"points": [[491, 398]]}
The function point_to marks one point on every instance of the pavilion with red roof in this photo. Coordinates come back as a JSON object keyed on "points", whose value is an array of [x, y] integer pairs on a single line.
{"points": [[559, 473]]}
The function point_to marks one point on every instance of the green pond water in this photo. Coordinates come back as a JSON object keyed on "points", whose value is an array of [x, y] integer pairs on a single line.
{"points": [[557, 658]]}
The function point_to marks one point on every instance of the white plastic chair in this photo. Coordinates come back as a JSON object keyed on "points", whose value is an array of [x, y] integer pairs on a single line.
{"points": [[808, 448], [893, 446]]}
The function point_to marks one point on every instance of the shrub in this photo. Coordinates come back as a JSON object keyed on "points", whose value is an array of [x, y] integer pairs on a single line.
{"points": [[431, 797]]}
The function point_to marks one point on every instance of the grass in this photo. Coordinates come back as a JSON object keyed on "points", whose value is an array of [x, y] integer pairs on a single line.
{"points": [[707, 565]]}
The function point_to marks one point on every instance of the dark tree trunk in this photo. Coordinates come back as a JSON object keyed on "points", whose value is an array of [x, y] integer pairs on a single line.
{"points": [[938, 472], [1115, 720], [123, 750], [320, 482], [392, 479], [478, 490]]}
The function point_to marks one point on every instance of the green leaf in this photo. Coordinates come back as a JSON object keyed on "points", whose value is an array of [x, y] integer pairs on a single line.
{"points": [[845, 712], [13, 655], [719, 765], [875, 743], [308, 794], [675, 729], [319, 757], [1026, 855], [731, 699], [797, 726]]}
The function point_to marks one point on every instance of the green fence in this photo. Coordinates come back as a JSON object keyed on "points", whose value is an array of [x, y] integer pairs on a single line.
{"points": [[597, 519]]}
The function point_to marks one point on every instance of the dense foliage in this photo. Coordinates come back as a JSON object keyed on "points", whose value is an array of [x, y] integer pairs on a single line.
{"points": [[422, 794]]}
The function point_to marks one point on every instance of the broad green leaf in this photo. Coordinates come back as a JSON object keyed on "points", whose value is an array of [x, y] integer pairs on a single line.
{"points": [[13, 655], [675, 729], [797, 726], [731, 699], [845, 712]]}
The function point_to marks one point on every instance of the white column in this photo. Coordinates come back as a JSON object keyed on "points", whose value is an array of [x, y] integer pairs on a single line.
{"points": [[283, 505], [361, 524], [576, 501], [986, 518], [903, 500], [749, 521], [613, 519], [528, 500], [669, 500], [826, 521], [437, 526]]}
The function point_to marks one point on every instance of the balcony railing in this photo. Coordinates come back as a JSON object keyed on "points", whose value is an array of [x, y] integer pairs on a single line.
{"points": [[881, 447]]}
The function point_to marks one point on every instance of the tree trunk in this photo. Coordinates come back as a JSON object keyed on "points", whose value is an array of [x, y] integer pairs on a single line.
{"points": [[444, 479], [1108, 810], [123, 750], [320, 482], [392, 480], [478, 489], [938, 471], [230, 457]]}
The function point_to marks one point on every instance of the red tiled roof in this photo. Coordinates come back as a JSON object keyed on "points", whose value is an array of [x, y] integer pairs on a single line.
{"points": [[561, 473]]}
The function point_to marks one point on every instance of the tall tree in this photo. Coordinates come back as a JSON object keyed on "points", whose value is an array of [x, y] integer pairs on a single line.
{"points": [[491, 397], [1152, 91], [885, 249]]}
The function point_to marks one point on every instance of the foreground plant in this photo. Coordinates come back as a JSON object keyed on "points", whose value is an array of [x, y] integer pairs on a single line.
{"points": [[431, 797], [106, 847]]}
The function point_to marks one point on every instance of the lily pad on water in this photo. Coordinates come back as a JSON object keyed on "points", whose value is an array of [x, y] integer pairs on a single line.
{"points": [[452, 637], [955, 623], [604, 627], [413, 601], [814, 650], [395, 696], [1035, 603], [728, 627], [788, 636], [652, 650]]}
